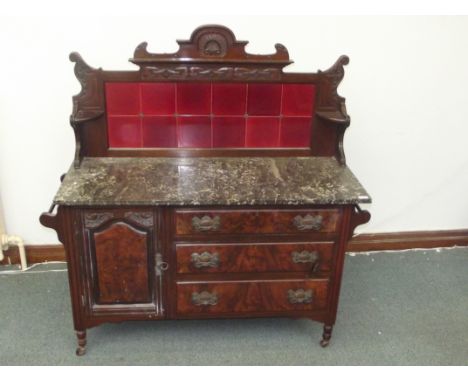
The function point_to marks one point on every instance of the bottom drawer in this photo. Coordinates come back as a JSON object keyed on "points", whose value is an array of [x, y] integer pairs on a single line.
{"points": [[249, 296]]}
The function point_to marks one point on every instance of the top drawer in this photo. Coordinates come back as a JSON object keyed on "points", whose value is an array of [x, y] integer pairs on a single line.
{"points": [[190, 222]]}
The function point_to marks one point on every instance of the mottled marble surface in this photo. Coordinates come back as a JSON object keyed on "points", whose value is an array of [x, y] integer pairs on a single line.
{"points": [[210, 181]]}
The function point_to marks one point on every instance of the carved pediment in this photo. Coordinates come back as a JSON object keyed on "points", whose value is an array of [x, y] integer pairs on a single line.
{"points": [[211, 44]]}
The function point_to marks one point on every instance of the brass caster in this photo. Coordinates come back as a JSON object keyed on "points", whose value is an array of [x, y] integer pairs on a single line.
{"points": [[324, 343], [80, 351], [327, 332], [81, 335]]}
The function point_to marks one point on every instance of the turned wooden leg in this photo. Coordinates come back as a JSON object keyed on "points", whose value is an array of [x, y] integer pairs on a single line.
{"points": [[327, 332], [81, 349]]}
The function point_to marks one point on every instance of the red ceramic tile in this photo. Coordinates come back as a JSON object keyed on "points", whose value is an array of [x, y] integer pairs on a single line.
{"points": [[159, 132], [264, 99], [123, 98], [194, 131], [158, 98], [228, 131], [295, 132], [298, 99], [124, 131], [229, 99], [262, 132], [194, 98]]}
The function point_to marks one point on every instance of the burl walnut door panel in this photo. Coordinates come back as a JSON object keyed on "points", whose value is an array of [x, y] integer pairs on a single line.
{"points": [[121, 248], [121, 254]]}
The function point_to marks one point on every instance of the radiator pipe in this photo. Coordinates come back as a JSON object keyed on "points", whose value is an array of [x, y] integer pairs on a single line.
{"points": [[6, 241]]}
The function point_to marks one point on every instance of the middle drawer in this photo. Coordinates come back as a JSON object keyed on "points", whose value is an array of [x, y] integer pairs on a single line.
{"points": [[258, 257]]}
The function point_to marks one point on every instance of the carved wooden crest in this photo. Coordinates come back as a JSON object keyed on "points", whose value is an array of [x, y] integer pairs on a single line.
{"points": [[211, 44], [95, 219]]}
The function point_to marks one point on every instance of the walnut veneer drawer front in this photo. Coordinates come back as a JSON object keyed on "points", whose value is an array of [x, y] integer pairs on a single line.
{"points": [[258, 257], [248, 296], [256, 221]]}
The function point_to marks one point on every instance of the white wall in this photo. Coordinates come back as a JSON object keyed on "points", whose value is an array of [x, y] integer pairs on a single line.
{"points": [[405, 87]]}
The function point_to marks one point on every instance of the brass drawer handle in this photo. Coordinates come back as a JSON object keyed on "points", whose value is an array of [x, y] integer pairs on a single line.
{"points": [[205, 260], [306, 257], [204, 298], [300, 296], [206, 223], [308, 222]]}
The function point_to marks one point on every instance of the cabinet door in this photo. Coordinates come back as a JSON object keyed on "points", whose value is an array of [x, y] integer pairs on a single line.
{"points": [[121, 251]]}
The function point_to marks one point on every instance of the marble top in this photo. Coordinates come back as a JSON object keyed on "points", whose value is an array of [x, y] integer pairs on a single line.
{"points": [[210, 181]]}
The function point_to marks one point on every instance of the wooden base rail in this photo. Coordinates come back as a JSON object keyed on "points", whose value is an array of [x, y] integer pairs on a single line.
{"points": [[408, 240], [35, 254], [359, 243]]}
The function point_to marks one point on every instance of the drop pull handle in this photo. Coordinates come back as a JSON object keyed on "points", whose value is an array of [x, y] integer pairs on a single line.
{"points": [[308, 222], [205, 260], [204, 298], [206, 223], [300, 296]]}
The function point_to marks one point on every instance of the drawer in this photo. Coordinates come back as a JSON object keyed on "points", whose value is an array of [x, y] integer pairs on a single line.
{"points": [[258, 257], [252, 296], [189, 222]]}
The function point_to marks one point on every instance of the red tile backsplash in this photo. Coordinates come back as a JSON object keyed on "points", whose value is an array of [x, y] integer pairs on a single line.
{"points": [[193, 98], [123, 98], [295, 131], [298, 99], [262, 132], [209, 115], [194, 131], [228, 131], [158, 98], [229, 99], [264, 99], [159, 131], [124, 131]]}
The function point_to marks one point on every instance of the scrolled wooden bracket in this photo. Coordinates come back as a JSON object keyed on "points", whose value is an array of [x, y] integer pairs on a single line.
{"points": [[333, 76], [358, 217], [49, 220], [331, 108], [338, 117], [88, 104]]}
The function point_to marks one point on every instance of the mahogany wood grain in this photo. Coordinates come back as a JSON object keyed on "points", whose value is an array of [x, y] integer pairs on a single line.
{"points": [[254, 221], [118, 262], [255, 257], [194, 153], [123, 263], [246, 296], [121, 254]]}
